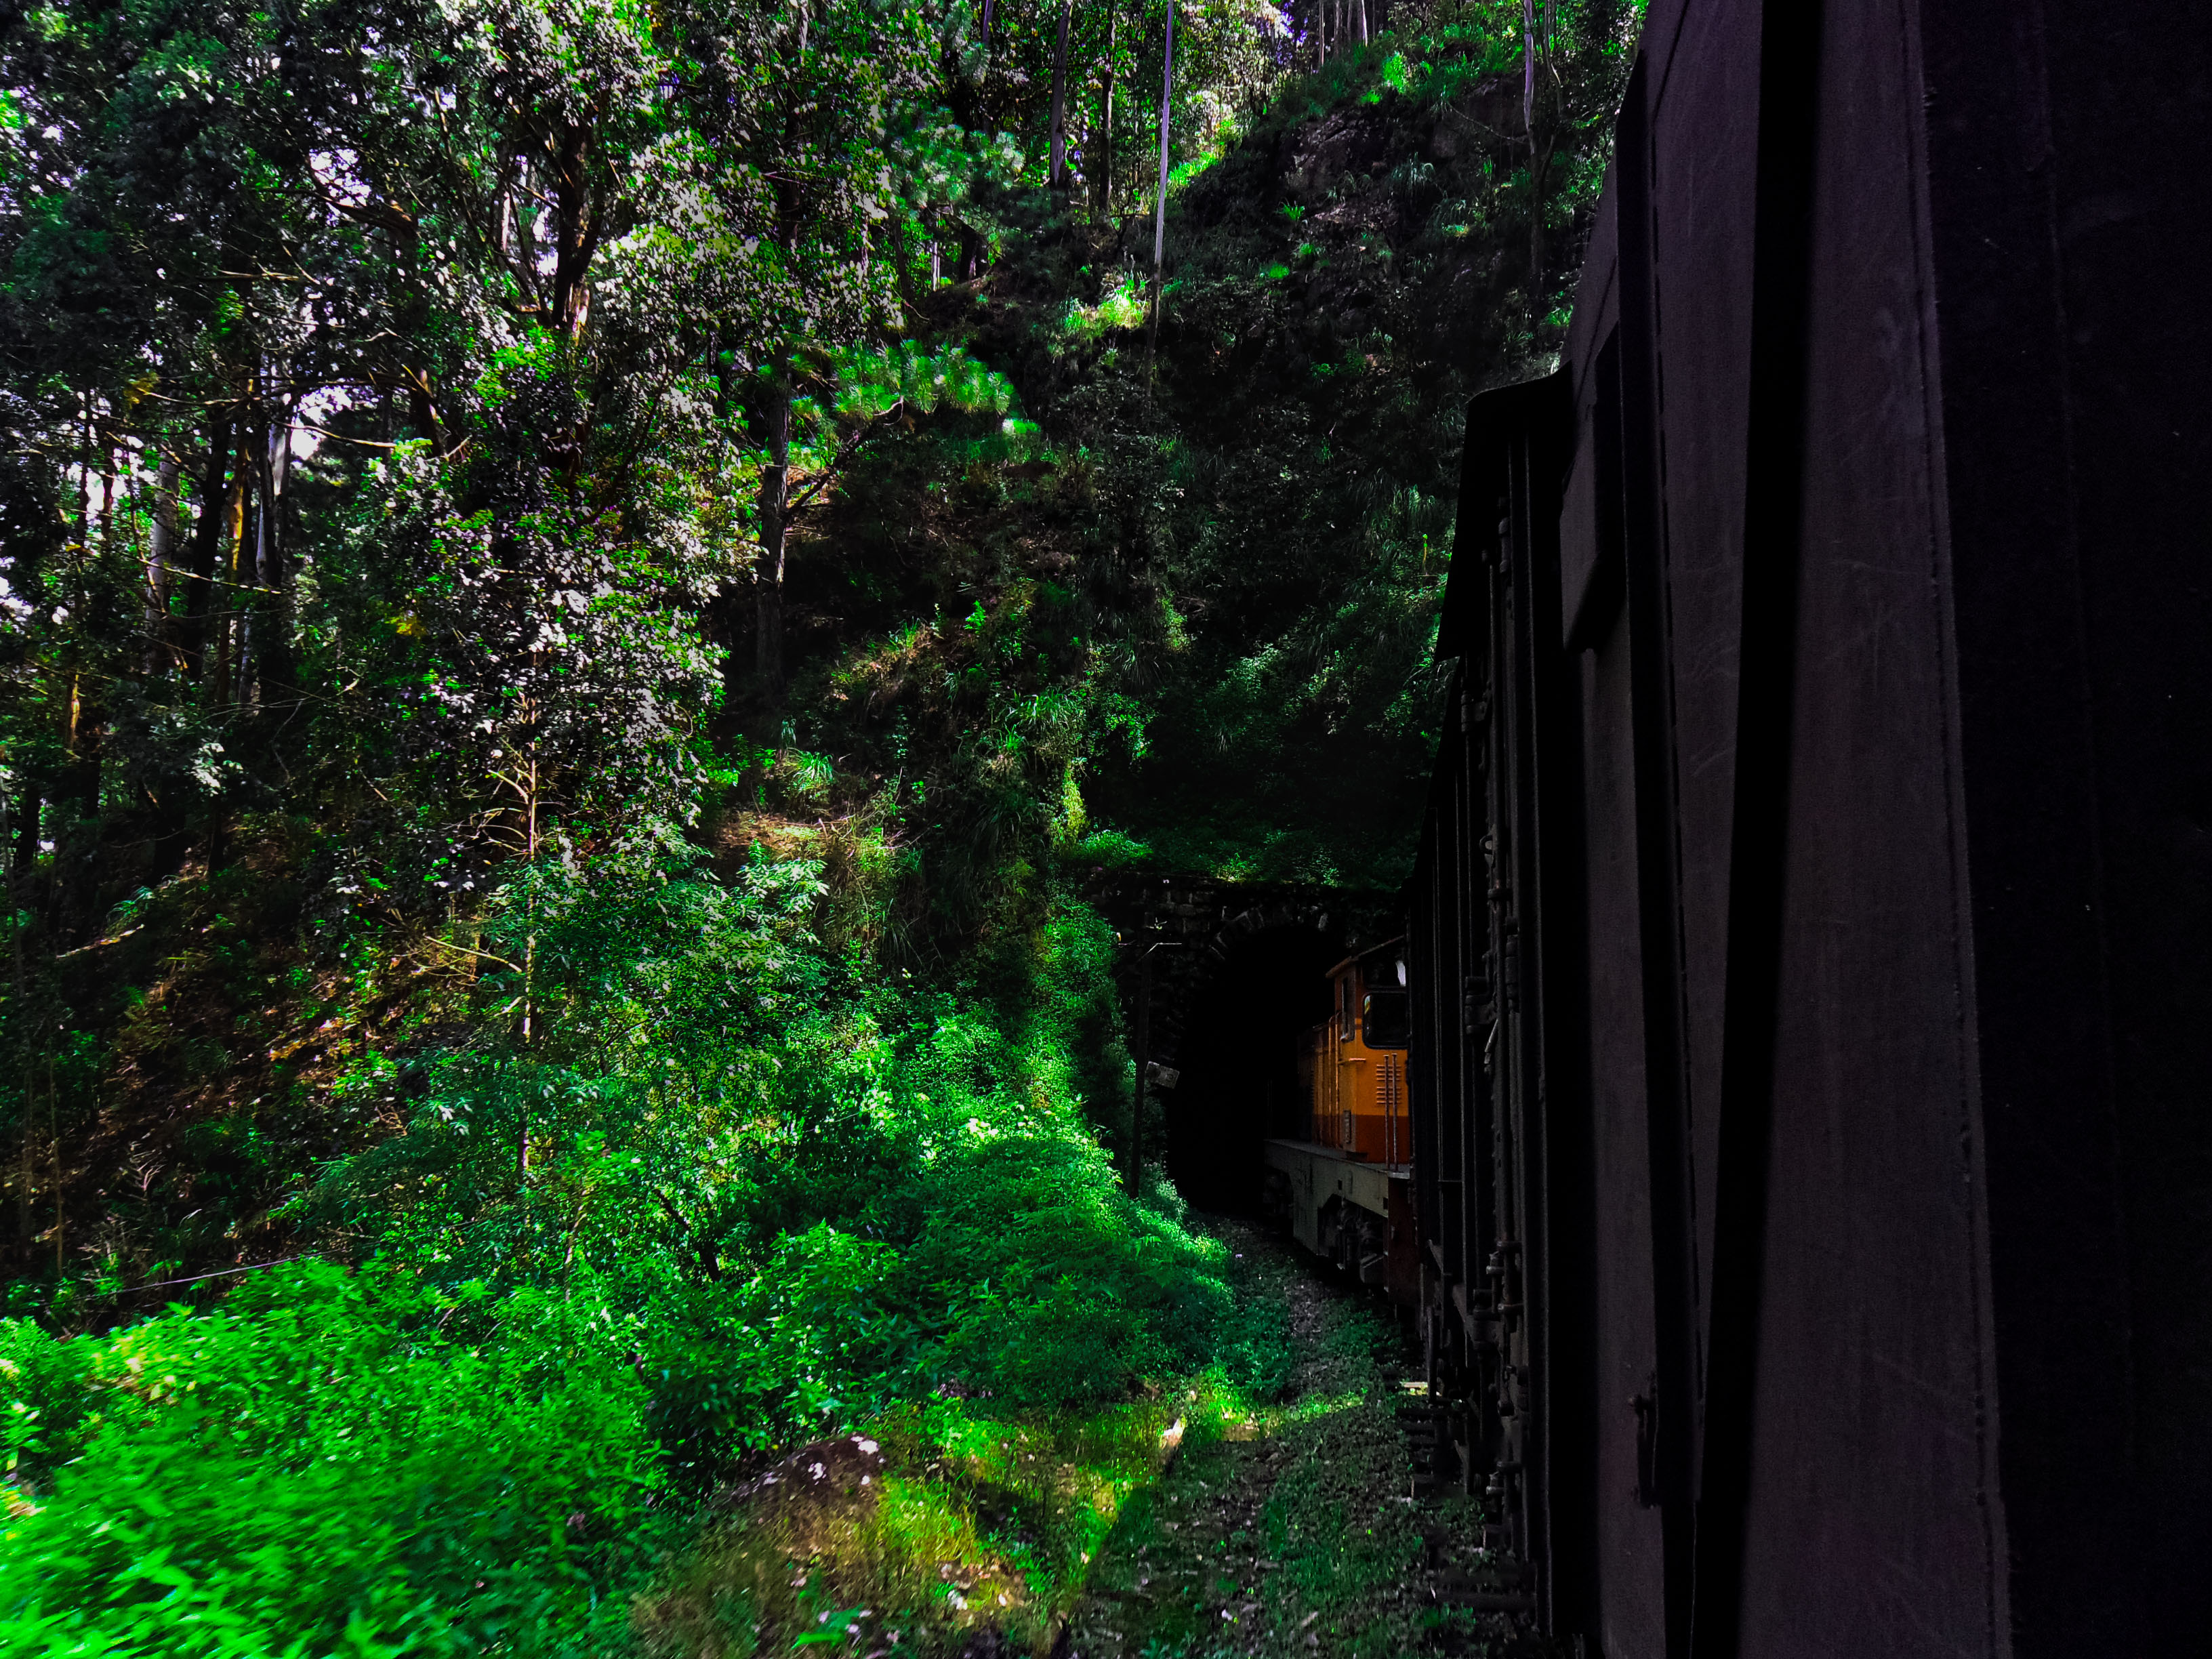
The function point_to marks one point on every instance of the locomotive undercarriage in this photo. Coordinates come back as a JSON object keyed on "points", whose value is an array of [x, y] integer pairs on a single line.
{"points": [[1357, 1240]]}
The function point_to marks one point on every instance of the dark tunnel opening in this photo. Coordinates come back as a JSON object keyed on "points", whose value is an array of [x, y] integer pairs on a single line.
{"points": [[1237, 1053]]}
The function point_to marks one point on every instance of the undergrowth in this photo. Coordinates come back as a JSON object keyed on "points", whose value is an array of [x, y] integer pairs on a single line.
{"points": [[694, 1190], [1288, 1529]]}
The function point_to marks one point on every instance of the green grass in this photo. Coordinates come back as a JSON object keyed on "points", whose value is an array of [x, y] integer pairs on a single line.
{"points": [[936, 1522], [1288, 1531]]}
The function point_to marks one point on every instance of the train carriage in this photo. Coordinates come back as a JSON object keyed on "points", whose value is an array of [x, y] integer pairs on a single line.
{"points": [[1810, 1000]]}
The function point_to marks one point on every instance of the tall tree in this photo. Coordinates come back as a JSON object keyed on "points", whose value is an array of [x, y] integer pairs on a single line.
{"points": [[1160, 202], [1102, 163], [1058, 140]]}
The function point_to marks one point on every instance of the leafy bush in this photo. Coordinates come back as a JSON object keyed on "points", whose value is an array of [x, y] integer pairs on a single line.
{"points": [[1060, 1290], [696, 1190], [42, 1400], [342, 1463]]}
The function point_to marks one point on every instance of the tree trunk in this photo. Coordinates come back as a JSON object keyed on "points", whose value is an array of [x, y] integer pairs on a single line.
{"points": [[1539, 160], [246, 588], [1167, 106], [80, 785], [26, 825], [575, 229], [207, 539], [768, 577], [273, 650], [21, 1020], [983, 86], [1529, 72], [1160, 207], [108, 501], [1059, 102], [225, 607], [1105, 185], [772, 418], [161, 554], [54, 1125]]}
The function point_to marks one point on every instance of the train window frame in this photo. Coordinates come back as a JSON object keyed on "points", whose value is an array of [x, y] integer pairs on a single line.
{"points": [[1367, 1022]]}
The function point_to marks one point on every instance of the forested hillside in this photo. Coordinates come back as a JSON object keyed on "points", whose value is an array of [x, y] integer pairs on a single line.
{"points": [[583, 585]]}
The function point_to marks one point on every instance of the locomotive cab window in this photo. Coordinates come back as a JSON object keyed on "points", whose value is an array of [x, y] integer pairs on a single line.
{"points": [[1388, 1021]]}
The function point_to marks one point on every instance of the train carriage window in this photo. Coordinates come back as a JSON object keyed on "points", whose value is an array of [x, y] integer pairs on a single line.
{"points": [[1388, 1021]]}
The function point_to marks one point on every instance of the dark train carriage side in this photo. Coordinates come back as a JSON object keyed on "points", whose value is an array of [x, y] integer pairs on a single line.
{"points": [[1812, 938]]}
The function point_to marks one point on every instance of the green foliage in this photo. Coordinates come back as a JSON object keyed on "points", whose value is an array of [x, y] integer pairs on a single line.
{"points": [[665, 1048], [723, 1194], [342, 1463], [42, 1392], [1254, 1346], [1357, 258]]}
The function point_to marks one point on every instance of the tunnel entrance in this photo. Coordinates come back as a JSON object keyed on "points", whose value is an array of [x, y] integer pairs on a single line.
{"points": [[1220, 980], [1238, 1055]]}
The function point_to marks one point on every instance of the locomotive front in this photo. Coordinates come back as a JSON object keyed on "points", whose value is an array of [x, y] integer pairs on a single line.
{"points": [[1343, 1190]]}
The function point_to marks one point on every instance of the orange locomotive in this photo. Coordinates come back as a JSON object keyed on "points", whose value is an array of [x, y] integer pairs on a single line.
{"points": [[1354, 1061], [1346, 1190]]}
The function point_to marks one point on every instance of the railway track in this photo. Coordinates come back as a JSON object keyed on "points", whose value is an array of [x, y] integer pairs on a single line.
{"points": [[1323, 1532]]}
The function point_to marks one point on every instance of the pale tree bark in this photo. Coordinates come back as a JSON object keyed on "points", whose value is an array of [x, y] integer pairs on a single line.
{"points": [[161, 555], [1105, 163], [1528, 71], [86, 715], [247, 591], [273, 655], [1059, 168]]}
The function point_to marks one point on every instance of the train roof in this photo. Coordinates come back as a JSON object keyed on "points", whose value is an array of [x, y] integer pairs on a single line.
{"points": [[1362, 956]]}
